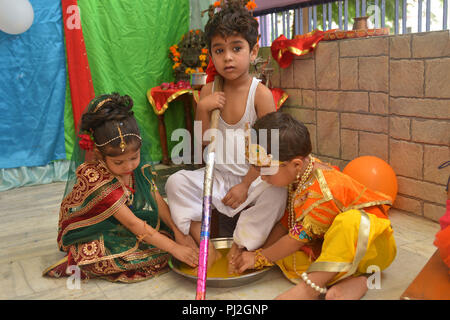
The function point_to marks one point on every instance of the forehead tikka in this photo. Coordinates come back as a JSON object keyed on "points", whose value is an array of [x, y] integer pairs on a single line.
{"points": [[122, 144]]}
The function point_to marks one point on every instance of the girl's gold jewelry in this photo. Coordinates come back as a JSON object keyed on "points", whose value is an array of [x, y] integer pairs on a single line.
{"points": [[261, 261], [300, 183], [124, 135], [140, 237], [101, 103], [122, 144], [291, 199], [130, 190]]}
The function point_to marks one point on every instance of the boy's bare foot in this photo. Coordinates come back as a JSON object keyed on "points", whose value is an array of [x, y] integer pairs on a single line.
{"points": [[300, 292], [213, 256], [353, 288], [234, 252]]}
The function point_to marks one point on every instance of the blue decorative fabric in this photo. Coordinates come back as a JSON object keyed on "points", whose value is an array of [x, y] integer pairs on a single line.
{"points": [[32, 90], [55, 171]]}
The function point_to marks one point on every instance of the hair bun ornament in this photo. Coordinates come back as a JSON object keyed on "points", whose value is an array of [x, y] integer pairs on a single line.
{"points": [[257, 154], [86, 142]]}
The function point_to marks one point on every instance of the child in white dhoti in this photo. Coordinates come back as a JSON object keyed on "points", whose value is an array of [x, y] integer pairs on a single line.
{"points": [[232, 35]]}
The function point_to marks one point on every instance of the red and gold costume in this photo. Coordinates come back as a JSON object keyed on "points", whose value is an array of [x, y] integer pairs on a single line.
{"points": [[343, 225]]}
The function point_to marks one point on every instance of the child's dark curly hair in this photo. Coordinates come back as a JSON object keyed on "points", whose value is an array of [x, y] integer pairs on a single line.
{"points": [[231, 20], [105, 114], [294, 138]]}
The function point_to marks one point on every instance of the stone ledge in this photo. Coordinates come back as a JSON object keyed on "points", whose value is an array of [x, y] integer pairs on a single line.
{"points": [[421, 190], [328, 141], [406, 78], [400, 128], [430, 131], [408, 204], [431, 44], [401, 154], [419, 107], [374, 73], [361, 47], [364, 122], [437, 78], [400, 47], [344, 101]]}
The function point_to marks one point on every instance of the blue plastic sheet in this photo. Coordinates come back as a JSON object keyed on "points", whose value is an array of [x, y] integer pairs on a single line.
{"points": [[32, 90]]}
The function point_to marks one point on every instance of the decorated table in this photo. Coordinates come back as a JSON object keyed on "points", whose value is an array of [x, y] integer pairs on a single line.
{"points": [[161, 96]]}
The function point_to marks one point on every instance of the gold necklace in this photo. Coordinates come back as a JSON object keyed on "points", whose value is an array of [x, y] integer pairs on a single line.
{"points": [[291, 194], [130, 190], [291, 199]]}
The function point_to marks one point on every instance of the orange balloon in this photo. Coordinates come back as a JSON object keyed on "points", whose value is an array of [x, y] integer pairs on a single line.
{"points": [[374, 173]]}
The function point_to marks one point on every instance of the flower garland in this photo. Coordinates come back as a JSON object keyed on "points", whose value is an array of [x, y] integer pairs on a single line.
{"points": [[250, 5], [190, 55]]}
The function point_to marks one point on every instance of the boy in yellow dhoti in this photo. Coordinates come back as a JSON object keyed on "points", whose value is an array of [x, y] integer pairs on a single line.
{"points": [[334, 229]]}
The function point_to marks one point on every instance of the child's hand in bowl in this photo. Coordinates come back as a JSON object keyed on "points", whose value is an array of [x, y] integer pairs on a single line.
{"points": [[186, 255], [245, 261]]}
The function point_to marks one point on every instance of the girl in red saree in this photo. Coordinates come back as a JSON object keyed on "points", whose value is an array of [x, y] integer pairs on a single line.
{"points": [[113, 223], [334, 231]]}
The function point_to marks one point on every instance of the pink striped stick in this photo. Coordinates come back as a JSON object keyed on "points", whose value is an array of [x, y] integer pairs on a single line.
{"points": [[207, 199]]}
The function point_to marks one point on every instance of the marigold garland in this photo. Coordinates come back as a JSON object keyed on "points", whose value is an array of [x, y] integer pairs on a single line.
{"points": [[190, 55], [251, 5]]}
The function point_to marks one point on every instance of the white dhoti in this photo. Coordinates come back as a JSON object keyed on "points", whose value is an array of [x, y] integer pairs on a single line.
{"points": [[267, 204]]}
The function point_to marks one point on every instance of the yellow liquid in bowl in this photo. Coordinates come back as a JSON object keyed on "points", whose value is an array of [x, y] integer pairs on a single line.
{"points": [[218, 270]]}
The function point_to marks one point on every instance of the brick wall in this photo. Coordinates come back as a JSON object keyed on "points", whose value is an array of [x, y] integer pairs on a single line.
{"points": [[383, 96]]}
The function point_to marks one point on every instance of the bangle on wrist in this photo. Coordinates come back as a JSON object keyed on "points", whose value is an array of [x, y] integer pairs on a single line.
{"points": [[261, 261], [140, 237], [312, 284]]}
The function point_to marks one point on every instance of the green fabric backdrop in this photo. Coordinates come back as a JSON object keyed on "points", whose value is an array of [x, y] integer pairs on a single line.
{"points": [[127, 44]]}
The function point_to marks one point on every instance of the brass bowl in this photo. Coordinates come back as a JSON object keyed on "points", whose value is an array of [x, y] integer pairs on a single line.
{"points": [[221, 243]]}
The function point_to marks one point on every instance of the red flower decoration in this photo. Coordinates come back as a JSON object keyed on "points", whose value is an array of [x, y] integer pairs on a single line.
{"points": [[86, 142]]}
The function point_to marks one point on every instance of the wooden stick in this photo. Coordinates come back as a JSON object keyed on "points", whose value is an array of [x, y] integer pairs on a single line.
{"points": [[207, 200]]}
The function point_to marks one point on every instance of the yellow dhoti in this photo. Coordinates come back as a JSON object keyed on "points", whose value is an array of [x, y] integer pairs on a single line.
{"points": [[357, 242]]}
